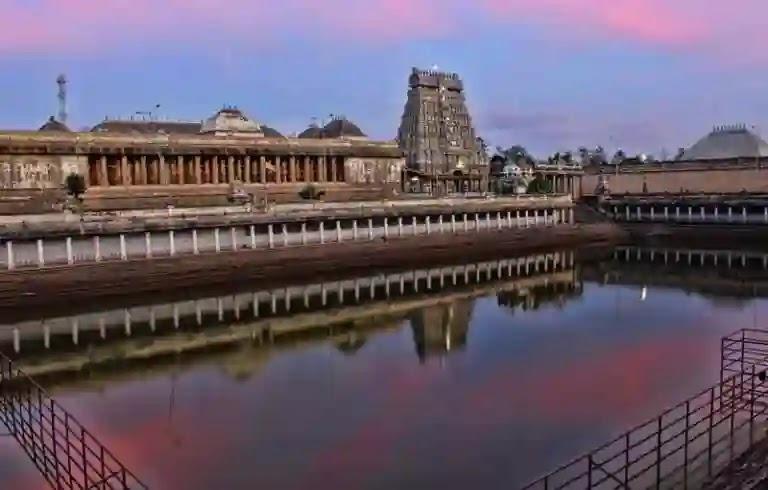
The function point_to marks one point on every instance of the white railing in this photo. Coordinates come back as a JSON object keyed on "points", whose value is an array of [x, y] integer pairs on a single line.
{"points": [[61, 251]]}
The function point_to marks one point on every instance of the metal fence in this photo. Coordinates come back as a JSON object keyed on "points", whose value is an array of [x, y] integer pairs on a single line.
{"points": [[689, 443], [67, 455]]}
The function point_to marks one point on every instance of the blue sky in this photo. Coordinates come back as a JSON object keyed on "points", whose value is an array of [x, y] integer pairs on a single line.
{"points": [[548, 74]]}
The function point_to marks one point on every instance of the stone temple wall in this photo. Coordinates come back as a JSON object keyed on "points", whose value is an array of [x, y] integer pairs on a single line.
{"points": [[703, 180]]}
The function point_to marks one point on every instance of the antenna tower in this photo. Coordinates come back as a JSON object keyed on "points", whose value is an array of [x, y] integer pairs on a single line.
{"points": [[61, 81]]}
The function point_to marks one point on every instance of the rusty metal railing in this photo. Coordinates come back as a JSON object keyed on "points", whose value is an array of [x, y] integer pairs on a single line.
{"points": [[65, 453], [688, 443]]}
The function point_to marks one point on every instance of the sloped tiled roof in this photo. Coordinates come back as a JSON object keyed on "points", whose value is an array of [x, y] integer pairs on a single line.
{"points": [[147, 127], [727, 143], [53, 125], [342, 127]]}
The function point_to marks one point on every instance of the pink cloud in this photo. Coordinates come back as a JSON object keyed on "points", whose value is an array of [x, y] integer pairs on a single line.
{"points": [[87, 26], [101, 26], [654, 21]]}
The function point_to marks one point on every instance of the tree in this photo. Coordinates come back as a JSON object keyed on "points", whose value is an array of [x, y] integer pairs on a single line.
{"points": [[539, 186], [598, 156], [584, 155], [514, 154], [75, 184], [618, 157], [311, 192]]}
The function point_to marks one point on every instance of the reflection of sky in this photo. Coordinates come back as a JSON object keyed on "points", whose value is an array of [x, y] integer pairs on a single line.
{"points": [[529, 391]]}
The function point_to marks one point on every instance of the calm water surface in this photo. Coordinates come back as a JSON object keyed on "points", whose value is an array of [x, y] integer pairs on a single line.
{"points": [[484, 392]]}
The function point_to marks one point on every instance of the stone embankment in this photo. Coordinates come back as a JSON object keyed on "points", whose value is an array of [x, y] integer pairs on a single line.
{"points": [[92, 281], [66, 224]]}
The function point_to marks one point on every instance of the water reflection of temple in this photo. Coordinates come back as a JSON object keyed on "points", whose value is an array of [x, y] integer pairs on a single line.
{"points": [[535, 297], [441, 329], [241, 331], [717, 274]]}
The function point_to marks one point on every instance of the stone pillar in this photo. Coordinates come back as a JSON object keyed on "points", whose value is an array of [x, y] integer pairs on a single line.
{"points": [[103, 172], [308, 173], [215, 169], [321, 168], [163, 170], [262, 169], [333, 169], [230, 169], [180, 170], [198, 170], [125, 175], [292, 169], [247, 177], [143, 170], [278, 170]]}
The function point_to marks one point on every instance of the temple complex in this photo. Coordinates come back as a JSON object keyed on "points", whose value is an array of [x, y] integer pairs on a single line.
{"points": [[437, 136], [228, 157], [729, 159]]}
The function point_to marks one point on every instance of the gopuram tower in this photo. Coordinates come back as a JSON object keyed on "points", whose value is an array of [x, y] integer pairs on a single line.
{"points": [[436, 131]]}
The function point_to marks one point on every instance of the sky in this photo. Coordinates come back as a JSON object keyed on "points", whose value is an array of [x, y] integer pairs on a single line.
{"points": [[552, 75]]}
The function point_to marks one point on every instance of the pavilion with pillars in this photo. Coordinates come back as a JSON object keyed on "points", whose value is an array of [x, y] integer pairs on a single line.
{"points": [[129, 164]]}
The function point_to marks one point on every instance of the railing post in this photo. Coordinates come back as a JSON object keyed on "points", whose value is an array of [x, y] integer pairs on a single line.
{"points": [[426, 222], [338, 231], [285, 234], [217, 240], [271, 235], [97, 248], [414, 226], [370, 228], [685, 443], [253, 234], [386, 227], [233, 236], [148, 245], [9, 250], [303, 233], [195, 247], [626, 461], [172, 242], [322, 232], [40, 253], [85, 458], [453, 223], [123, 248], [752, 407], [710, 426], [70, 257], [466, 223]]}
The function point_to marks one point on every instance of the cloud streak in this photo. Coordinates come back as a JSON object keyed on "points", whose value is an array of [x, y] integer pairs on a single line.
{"points": [[88, 26]]}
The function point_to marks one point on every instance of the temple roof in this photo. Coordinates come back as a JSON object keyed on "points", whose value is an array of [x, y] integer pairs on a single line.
{"points": [[53, 125], [727, 142], [174, 127], [146, 127], [313, 131], [342, 128], [231, 120]]}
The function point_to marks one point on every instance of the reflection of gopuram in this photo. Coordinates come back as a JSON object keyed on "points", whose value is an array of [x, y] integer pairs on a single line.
{"points": [[442, 328], [537, 296]]}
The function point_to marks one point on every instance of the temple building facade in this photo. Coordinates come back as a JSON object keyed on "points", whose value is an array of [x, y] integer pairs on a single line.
{"points": [[729, 159], [437, 135], [227, 158]]}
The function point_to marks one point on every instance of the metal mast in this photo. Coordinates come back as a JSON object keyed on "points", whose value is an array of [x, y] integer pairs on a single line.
{"points": [[62, 83]]}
